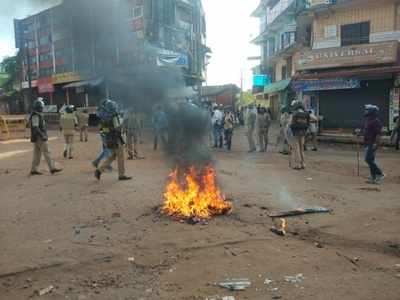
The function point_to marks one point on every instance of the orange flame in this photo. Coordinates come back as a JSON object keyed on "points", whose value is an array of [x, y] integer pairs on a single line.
{"points": [[197, 196], [283, 226]]}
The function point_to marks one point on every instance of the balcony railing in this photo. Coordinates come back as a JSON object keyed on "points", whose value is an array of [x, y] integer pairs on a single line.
{"points": [[278, 9]]}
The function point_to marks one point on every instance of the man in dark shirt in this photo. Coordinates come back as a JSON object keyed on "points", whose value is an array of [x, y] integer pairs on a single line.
{"points": [[372, 131], [396, 133]]}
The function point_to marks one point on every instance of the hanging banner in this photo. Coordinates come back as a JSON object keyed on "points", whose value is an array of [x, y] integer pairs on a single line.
{"points": [[45, 85], [325, 85], [170, 58]]}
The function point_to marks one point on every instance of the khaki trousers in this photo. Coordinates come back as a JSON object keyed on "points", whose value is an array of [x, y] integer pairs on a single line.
{"points": [[118, 154], [41, 147], [132, 144], [69, 144], [297, 152], [250, 138], [83, 132], [263, 139]]}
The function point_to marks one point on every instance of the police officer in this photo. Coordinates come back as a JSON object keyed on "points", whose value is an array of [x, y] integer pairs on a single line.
{"points": [[83, 121], [39, 139], [68, 123], [131, 126], [112, 129], [299, 124], [263, 122]]}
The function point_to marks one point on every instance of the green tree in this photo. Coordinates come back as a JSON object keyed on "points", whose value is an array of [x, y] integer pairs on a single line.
{"points": [[10, 67]]}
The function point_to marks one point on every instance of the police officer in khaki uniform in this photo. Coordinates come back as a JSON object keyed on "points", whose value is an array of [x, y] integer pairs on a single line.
{"points": [[83, 121], [68, 123], [39, 139], [131, 126], [263, 122], [112, 129]]}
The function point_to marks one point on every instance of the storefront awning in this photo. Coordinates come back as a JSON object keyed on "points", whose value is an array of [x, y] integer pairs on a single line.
{"points": [[277, 86], [93, 82]]}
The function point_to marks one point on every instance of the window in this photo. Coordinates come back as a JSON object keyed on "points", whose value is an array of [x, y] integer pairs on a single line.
{"points": [[287, 39], [271, 47], [136, 12], [184, 14], [44, 57], [46, 72], [44, 40], [353, 34], [284, 72]]}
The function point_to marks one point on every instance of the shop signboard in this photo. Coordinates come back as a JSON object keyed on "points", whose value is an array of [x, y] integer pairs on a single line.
{"points": [[45, 85], [325, 84], [261, 80], [170, 58], [68, 77], [350, 56]]}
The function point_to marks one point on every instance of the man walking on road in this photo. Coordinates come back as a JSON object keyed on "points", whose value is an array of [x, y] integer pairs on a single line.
{"points": [[263, 124], [83, 121], [113, 137], [131, 127], [217, 121], [68, 123], [299, 123], [251, 118], [372, 130], [395, 138], [39, 139]]}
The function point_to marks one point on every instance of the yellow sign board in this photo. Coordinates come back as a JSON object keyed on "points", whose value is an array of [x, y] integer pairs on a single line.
{"points": [[356, 55], [68, 77]]}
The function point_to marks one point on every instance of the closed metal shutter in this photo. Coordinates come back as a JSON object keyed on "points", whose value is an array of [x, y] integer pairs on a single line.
{"points": [[345, 108]]}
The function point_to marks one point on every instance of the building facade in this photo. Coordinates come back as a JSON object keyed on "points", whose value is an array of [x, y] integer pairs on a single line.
{"points": [[78, 53], [352, 60], [278, 40]]}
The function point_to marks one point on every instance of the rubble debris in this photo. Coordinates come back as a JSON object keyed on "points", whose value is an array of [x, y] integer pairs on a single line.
{"points": [[116, 215], [278, 231], [239, 284], [45, 291], [370, 189], [301, 211], [220, 298], [268, 281], [295, 278]]}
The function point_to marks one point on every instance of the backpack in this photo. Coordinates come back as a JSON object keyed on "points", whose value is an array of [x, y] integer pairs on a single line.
{"points": [[300, 120]]}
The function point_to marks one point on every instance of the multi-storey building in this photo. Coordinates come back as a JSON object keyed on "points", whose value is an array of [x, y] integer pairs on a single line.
{"points": [[352, 60], [78, 52], [278, 40]]}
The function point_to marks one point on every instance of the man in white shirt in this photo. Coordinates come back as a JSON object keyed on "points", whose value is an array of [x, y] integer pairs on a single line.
{"points": [[217, 124]]}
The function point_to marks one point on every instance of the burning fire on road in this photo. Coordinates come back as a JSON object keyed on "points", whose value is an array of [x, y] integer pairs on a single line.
{"points": [[194, 194]]}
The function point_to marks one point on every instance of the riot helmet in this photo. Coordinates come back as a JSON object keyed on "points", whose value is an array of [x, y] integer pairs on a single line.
{"points": [[371, 110], [70, 109], [38, 105]]}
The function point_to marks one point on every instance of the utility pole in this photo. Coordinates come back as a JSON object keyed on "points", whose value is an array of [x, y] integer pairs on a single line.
{"points": [[29, 75]]}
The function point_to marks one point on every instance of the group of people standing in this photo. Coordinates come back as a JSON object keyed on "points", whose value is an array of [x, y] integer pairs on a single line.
{"points": [[70, 121], [222, 127]]}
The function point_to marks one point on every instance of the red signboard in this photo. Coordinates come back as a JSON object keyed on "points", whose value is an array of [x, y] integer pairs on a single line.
{"points": [[45, 85]]}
